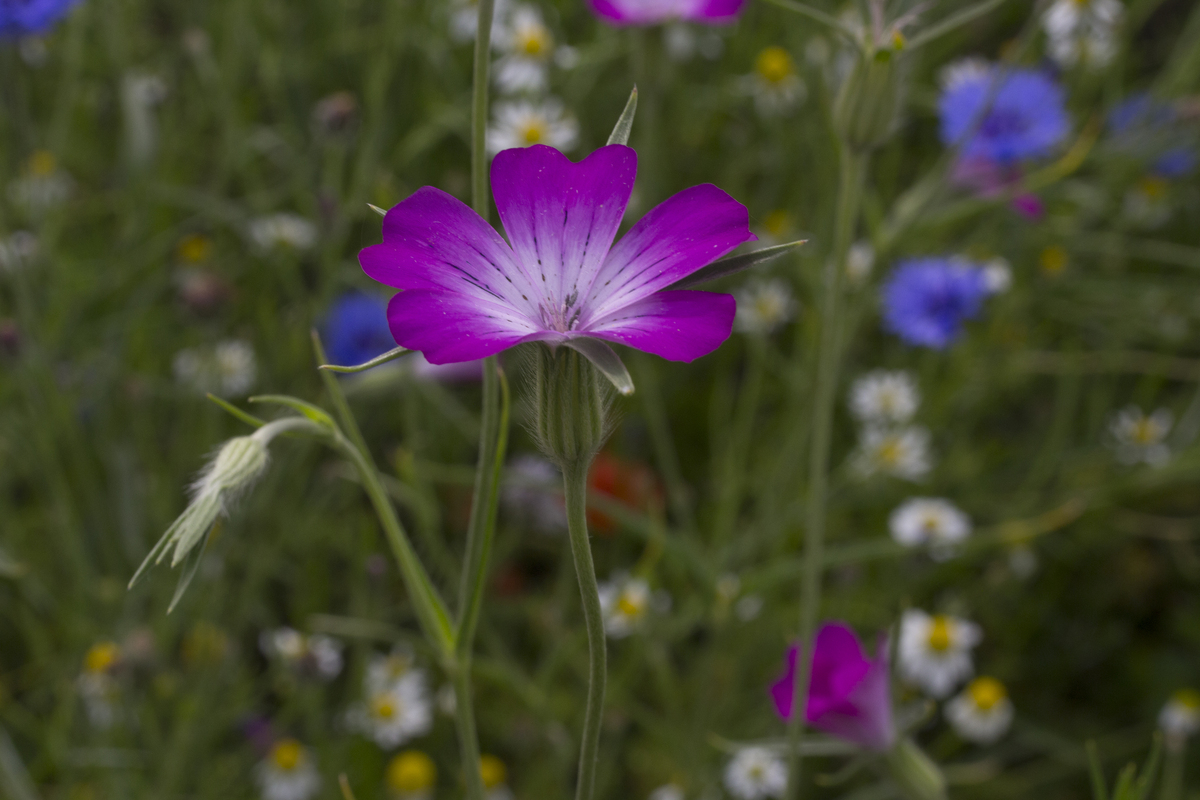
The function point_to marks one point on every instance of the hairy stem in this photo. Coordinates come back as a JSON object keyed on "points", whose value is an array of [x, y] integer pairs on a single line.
{"points": [[851, 174], [575, 489]]}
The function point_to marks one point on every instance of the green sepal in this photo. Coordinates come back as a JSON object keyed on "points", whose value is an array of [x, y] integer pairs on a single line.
{"points": [[390, 355], [604, 359], [190, 565], [249, 419], [620, 132], [377, 209], [310, 411], [734, 264]]}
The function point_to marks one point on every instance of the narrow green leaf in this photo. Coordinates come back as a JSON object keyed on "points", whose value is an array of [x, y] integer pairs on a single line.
{"points": [[1099, 790], [735, 264], [157, 552], [952, 22], [314, 413], [249, 419], [1149, 770], [620, 132], [816, 14], [190, 565], [604, 359], [374, 362], [377, 209]]}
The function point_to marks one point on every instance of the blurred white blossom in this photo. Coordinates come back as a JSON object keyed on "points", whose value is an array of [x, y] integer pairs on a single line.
{"points": [[860, 260], [885, 397], [523, 123], [982, 712], [1140, 437], [929, 520], [317, 655], [394, 713], [756, 773], [624, 603], [935, 651], [228, 369], [283, 231], [1180, 717], [774, 84], [288, 773], [527, 47], [17, 251], [97, 685], [997, 275], [764, 305], [42, 185], [899, 452], [1083, 31]]}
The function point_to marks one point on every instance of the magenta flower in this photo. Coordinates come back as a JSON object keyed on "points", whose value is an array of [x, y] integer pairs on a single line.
{"points": [[652, 12], [848, 694], [559, 279]]}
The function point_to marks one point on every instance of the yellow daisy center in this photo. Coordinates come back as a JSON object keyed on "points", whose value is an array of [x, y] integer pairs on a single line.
{"points": [[101, 656], [384, 706], [42, 163], [774, 65], [930, 523], [1145, 431], [533, 41], [630, 605], [1154, 187], [939, 634], [890, 451], [533, 131], [287, 755], [194, 249], [493, 771], [986, 693], [411, 771], [1053, 259]]}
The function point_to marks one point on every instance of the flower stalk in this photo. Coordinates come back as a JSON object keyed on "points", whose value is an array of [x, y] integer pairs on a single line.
{"points": [[852, 171]]}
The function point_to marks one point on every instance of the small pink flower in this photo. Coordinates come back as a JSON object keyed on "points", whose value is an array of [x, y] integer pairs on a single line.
{"points": [[653, 12], [848, 694]]}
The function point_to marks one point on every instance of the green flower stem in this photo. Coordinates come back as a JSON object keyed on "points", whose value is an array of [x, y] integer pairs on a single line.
{"points": [[480, 200], [575, 489], [1171, 787], [851, 175]]}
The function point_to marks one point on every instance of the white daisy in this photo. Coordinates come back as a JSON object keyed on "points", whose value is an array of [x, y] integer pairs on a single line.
{"points": [[17, 251], [317, 655], [929, 520], [140, 95], [682, 41], [764, 305], [1140, 437], [229, 368], [1083, 31], [755, 773], [385, 671], [42, 186], [997, 275], [883, 397], [527, 47], [624, 602], [283, 231], [899, 452], [98, 687], [288, 773], [935, 651], [964, 70], [495, 778], [774, 84], [395, 714], [668, 791], [1147, 205], [464, 19], [523, 123], [982, 713], [1180, 718], [860, 260]]}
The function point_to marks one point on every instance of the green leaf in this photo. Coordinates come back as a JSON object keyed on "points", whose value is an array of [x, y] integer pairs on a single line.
{"points": [[390, 355], [952, 22], [620, 132], [314, 413], [604, 359], [1099, 790], [249, 419], [735, 264]]}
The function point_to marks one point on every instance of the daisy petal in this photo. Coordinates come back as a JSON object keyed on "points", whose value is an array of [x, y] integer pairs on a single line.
{"points": [[562, 217], [449, 327], [676, 238], [677, 325]]}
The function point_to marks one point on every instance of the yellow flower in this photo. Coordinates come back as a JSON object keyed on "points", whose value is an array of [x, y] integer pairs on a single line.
{"points": [[194, 249], [774, 65], [939, 634], [411, 771], [986, 693], [1053, 259], [287, 755], [101, 657], [493, 771], [534, 40], [534, 131]]}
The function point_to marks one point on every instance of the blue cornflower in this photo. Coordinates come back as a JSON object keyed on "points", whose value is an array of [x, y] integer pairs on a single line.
{"points": [[356, 328], [1025, 119], [927, 300], [26, 17]]}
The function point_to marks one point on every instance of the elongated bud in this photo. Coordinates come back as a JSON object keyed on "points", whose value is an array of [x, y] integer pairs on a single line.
{"points": [[238, 464], [867, 108], [571, 414], [915, 774]]}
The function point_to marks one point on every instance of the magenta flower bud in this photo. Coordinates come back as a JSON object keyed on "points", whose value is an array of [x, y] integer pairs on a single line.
{"points": [[848, 694]]}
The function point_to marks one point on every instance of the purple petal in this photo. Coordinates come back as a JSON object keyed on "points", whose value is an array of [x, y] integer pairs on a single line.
{"points": [[717, 12], [679, 236], [679, 325], [434, 241], [849, 696], [449, 327], [783, 691], [561, 217]]}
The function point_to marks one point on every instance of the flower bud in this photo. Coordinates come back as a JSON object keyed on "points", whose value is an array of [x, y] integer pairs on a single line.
{"points": [[571, 414], [915, 774], [237, 465], [868, 104]]}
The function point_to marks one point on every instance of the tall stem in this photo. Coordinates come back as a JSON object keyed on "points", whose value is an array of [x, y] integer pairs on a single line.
{"points": [[852, 169], [575, 489], [492, 438]]}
